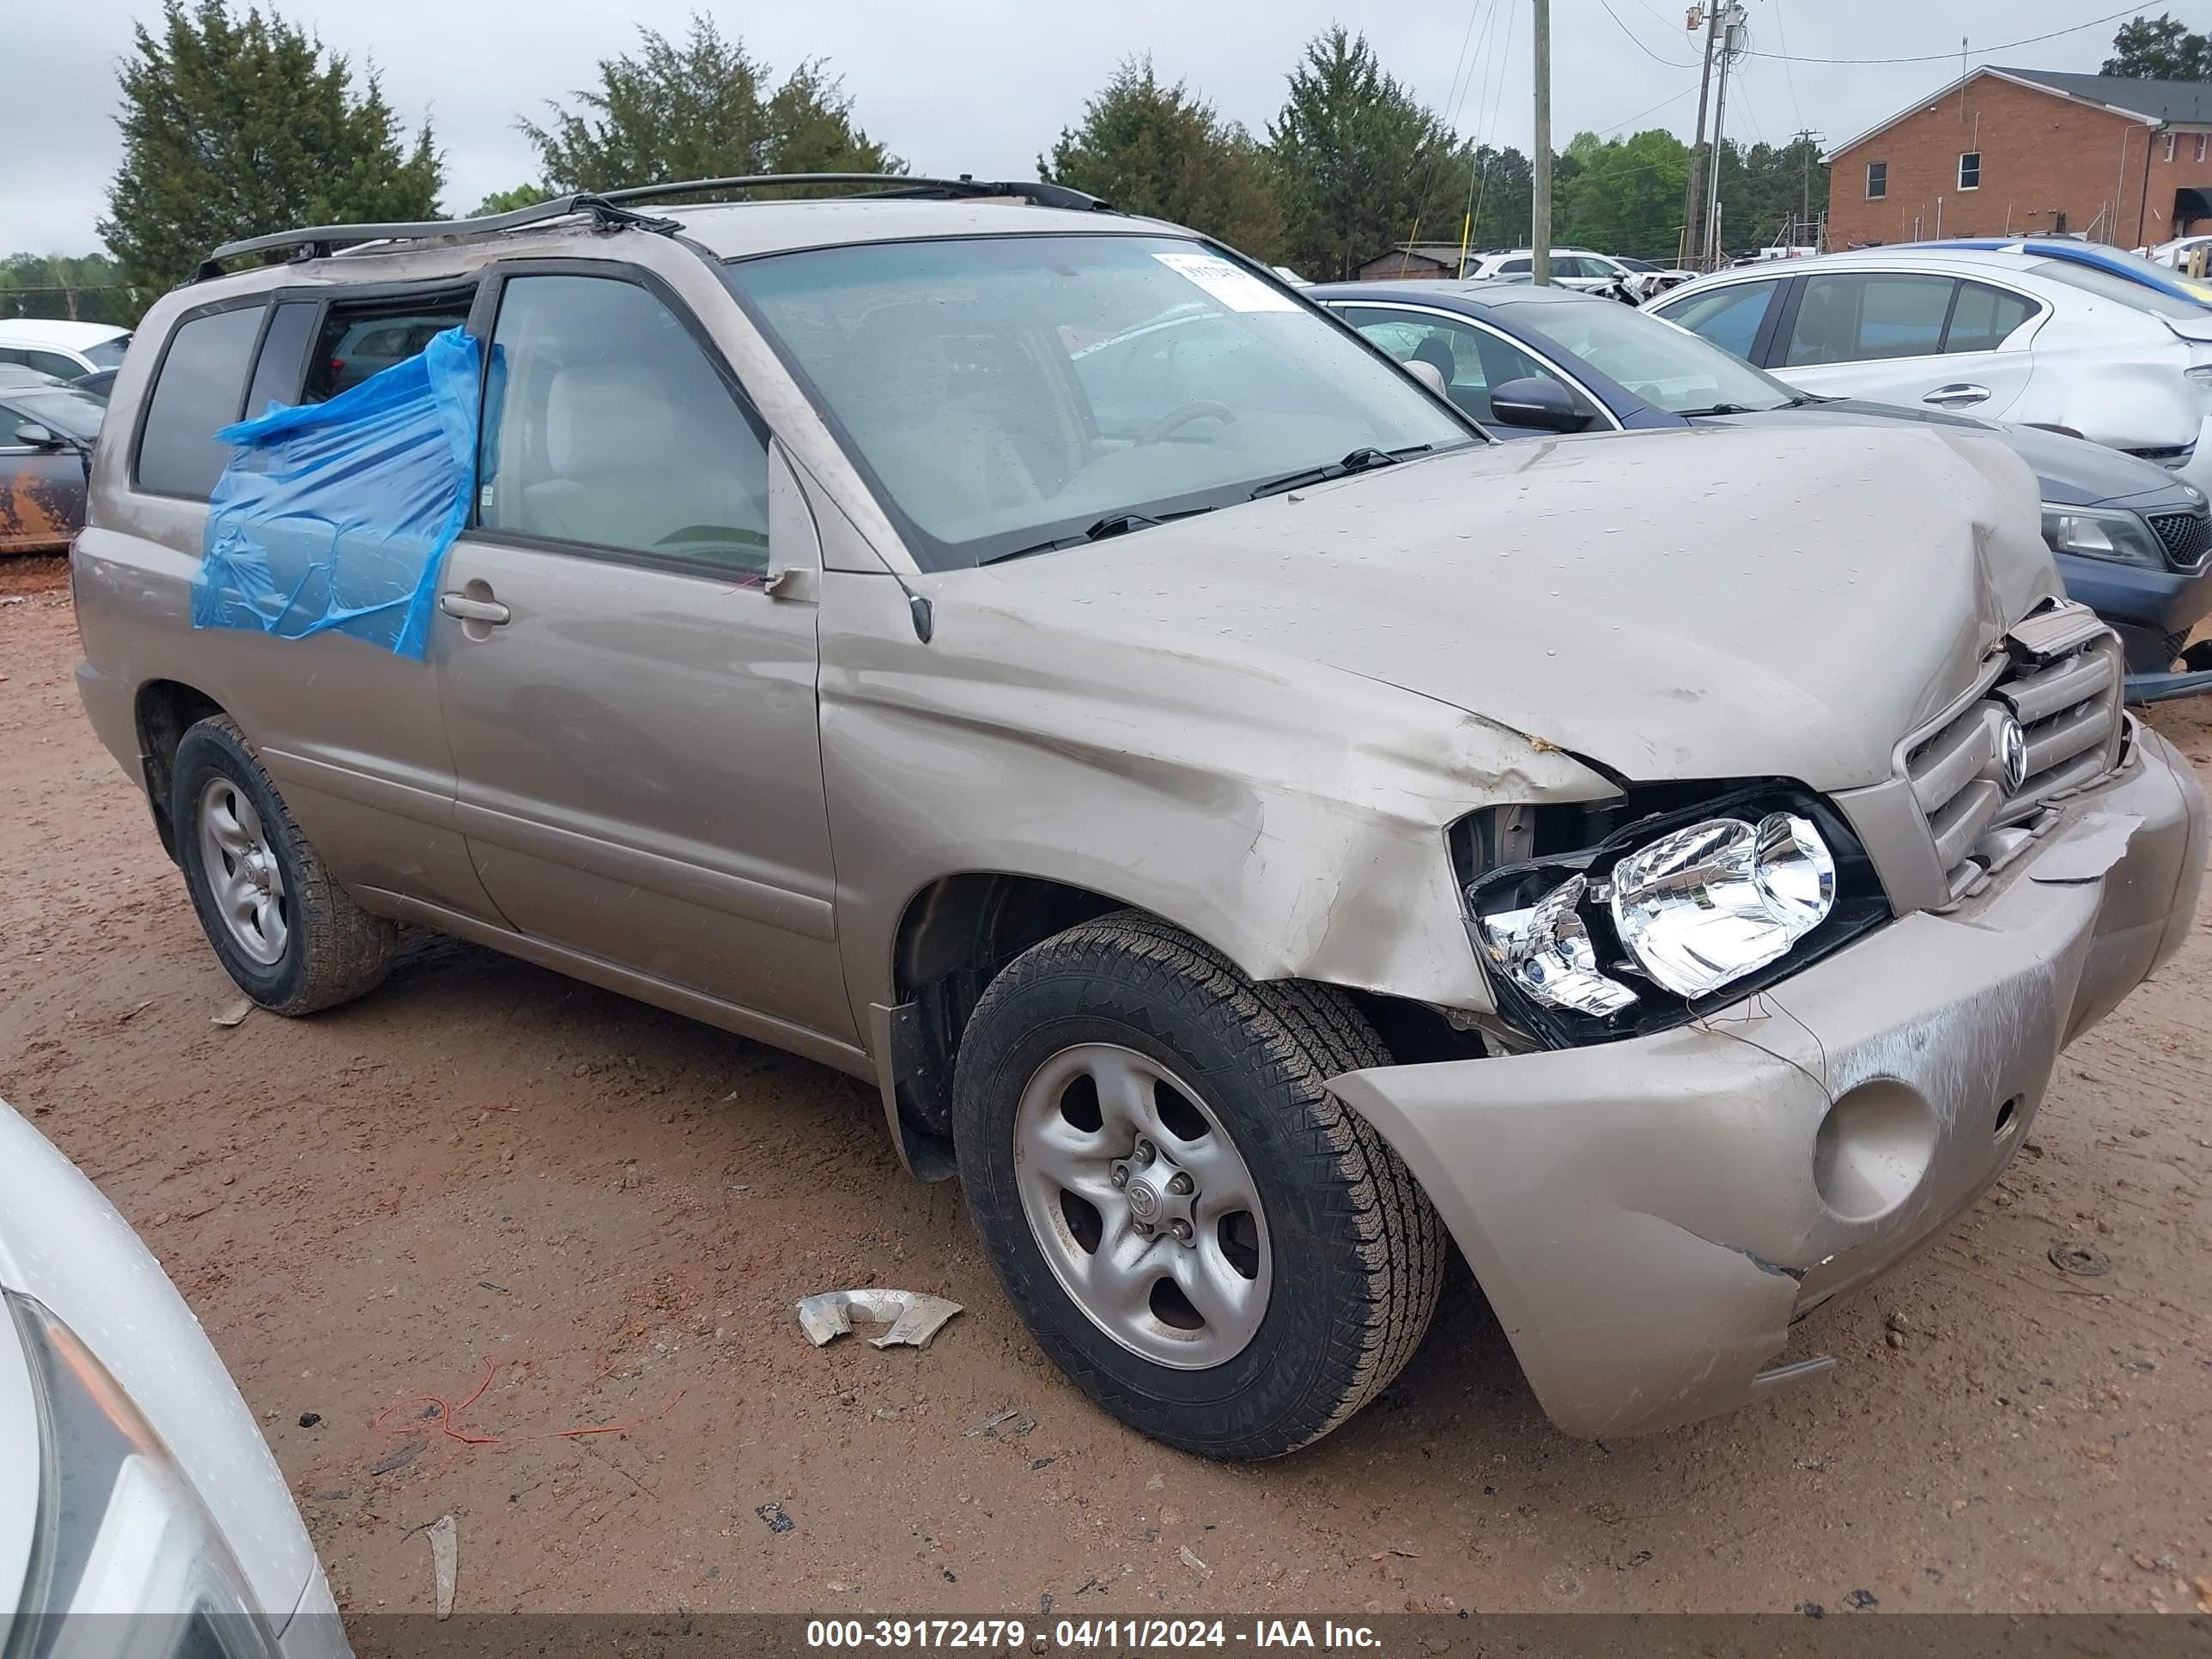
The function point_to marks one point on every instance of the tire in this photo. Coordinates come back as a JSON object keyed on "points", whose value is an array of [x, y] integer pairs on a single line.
{"points": [[1344, 1255], [313, 946]]}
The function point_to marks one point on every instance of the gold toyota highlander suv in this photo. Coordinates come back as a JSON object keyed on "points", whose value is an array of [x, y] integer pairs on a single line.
{"points": [[1253, 828]]}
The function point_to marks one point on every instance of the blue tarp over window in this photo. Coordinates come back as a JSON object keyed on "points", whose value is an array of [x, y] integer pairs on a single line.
{"points": [[336, 515]]}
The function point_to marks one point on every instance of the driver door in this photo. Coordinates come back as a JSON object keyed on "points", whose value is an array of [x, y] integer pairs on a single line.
{"points": [[626, 642]]}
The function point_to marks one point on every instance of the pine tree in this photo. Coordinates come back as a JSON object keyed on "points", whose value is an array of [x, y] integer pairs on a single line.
{"points": [[237, 126], [704, 109], [1165, 152], [1361, 164]]}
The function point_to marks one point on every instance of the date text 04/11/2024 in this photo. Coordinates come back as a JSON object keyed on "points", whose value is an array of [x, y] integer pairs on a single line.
{"points": [[1085, 1634]]}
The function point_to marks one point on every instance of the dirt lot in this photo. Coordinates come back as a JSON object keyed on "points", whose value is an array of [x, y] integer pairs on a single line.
{"points": [[612, 1209]]}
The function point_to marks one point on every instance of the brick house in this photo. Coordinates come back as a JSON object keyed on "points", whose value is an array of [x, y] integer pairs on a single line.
{"points": [[2031, 152]]}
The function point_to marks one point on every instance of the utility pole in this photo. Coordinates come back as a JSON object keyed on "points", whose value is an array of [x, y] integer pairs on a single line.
{"points": [[1807, 135], [1731, 15], [1540, 238], [1688, 253]]}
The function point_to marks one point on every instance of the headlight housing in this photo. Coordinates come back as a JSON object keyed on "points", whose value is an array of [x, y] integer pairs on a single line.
{"points": [[120, 1528], [2108, 534], [1673, 913]]}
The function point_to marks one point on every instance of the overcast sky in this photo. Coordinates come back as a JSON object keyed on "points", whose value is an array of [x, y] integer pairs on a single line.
{"points": [[981, 86]]}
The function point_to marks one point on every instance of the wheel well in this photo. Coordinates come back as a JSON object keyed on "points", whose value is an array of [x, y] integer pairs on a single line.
{"points": [[960, 931], [167, 710]]}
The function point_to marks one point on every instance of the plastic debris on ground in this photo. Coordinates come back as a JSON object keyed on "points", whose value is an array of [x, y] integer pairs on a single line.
{"points": [[335, 516], [914, 1316], [446, 1561]]}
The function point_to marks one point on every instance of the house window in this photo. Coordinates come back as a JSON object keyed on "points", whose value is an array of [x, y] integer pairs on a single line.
{"points": [[1970, 169], [1877, 180], [2200, 149], [2169, 147]]}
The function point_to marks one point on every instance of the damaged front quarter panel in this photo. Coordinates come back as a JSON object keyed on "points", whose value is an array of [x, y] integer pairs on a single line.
{"points": [[1039, 738]]}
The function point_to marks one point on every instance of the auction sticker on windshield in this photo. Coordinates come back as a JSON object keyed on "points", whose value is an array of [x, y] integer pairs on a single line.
{"points": [[1240, 290]]}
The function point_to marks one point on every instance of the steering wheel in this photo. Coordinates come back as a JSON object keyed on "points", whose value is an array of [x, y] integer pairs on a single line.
{"points": [[1176, 419]]}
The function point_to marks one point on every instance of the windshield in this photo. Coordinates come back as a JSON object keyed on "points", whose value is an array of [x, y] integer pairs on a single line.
{"points": [[1666, 367], [108, 353], [1008, 391], [2125, 290], [72, 414]]}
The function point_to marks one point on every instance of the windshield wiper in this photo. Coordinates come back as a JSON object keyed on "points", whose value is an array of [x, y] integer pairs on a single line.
{"points": [[1118, 524], [1721, 409], [1360, 460]]}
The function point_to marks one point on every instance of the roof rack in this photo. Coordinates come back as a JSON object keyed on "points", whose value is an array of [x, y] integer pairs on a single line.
{"points": [[320, 241], [898, 185]]}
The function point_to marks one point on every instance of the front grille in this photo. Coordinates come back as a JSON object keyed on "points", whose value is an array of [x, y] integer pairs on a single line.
{"points": [[2172, 456], [2187, 537], [2060, 676]]}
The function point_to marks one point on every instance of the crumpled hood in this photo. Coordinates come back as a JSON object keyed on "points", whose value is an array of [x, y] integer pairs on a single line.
{"points": [[2070, 470], [1713, 603]]}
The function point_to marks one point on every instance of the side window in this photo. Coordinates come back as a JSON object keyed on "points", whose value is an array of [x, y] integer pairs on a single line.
{"points": [[605, 423], [11, 354], [1472, 359], [1984, 317], [1861, 318], [283, 349], [1516, 268], [201, 387], [358, 341], [1729, 317], [52, 362]]}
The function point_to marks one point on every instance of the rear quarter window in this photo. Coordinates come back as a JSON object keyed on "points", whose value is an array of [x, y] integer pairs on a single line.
{"points": [[199, 386]]}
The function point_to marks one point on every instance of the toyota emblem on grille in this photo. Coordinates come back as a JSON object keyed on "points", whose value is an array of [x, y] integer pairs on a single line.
{"points": [[2012, 753]]}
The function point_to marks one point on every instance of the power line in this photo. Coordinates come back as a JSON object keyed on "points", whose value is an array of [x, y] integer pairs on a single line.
{"points": [[1939, 57], [1637, 42], [1607, 133], [1782, 35]]}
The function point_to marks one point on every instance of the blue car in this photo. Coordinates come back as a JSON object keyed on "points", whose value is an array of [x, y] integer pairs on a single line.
{"points": [[2132, 541], [2119, 261]]}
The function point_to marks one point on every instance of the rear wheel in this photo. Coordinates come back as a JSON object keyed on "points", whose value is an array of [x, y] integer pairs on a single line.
{"points": [[1210, 1245], [285, 930]]}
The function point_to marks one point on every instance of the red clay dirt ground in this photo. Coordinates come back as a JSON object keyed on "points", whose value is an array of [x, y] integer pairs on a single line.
{"points": [[485, 1164]]}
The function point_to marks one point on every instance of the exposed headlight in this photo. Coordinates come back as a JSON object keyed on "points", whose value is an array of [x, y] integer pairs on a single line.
{"points": [[1721, 899], [1682, 898], [2102, 533], [120, 1528], [1546, 951]]}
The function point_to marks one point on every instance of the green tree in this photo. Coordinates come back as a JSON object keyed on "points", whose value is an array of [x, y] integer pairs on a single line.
{"points": [[703, 109], [83, 288], [2160, 49], [506, 201], [1362, 167], [235, 125], [1624, 197], [1164, 151]]}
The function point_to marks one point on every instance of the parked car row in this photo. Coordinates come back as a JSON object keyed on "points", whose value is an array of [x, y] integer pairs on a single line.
{"points": [[2132, 540]]}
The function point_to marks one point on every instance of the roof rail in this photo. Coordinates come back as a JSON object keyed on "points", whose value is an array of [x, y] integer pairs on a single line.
{"points": [[319, 241], [898, 185]]}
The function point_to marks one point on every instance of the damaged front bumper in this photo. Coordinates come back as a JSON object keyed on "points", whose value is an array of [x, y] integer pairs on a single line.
{"points": [[1648, 1217]]}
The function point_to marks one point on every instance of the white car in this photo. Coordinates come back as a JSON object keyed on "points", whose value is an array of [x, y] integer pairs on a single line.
{"points": [[66, 350], [132, 1478], [2175, 253], [1572, 267], [2004, 335]]}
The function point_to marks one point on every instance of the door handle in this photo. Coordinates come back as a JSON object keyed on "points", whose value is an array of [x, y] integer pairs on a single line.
{"points": [[461, 605], [1958, 396]]}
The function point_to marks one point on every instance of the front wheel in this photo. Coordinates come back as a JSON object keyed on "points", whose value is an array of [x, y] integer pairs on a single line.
{"points": [[1198, 1233]]}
